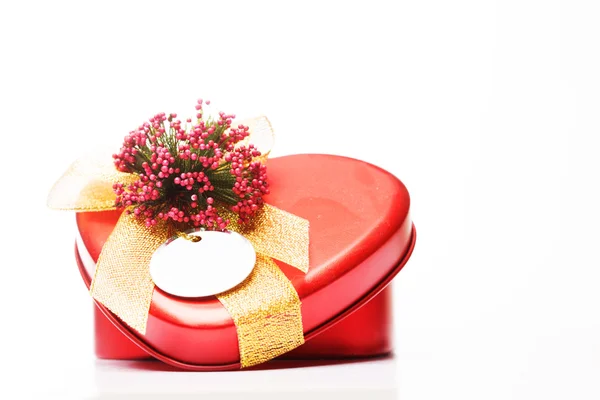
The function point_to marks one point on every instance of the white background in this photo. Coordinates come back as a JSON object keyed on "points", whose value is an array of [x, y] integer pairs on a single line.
{"points": [[487, 110]]}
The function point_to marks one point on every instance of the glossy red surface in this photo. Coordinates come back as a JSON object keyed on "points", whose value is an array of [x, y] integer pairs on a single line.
{"points": [[364, 333], [360, 236]]}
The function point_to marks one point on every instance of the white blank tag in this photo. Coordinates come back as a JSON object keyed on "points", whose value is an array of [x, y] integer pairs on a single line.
{"points": [[215, 264]]}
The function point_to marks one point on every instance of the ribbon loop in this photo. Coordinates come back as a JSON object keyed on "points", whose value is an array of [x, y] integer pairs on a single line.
{"points": [[88, 185]]}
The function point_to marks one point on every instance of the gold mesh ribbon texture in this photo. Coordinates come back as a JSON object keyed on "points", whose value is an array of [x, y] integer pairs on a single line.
{"points": [[266, 311], [122, 279], [265, 307], [87, 185], [277, 234]]}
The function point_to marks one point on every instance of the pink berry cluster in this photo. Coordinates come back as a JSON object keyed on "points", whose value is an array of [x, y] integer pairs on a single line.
{"points": [[188, 173]]}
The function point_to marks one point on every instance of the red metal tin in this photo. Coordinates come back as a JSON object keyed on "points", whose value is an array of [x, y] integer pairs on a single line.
{"points": [[361, 235]]}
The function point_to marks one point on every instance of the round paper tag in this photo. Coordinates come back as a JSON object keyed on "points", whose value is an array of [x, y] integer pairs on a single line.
{"points": [[217, 262]]}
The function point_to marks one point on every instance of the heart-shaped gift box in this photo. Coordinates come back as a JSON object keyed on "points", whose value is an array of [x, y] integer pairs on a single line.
{"points": [[361, 235]]}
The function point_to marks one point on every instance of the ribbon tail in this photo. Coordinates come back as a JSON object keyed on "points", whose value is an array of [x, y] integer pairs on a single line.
{"points": [[122, 281], [266, 311], [277, 234]]}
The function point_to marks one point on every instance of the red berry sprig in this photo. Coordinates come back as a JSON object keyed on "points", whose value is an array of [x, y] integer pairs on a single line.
{"points": [[185, 173]]}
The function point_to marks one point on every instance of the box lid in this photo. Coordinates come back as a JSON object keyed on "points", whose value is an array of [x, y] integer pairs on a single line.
{"points": [[360, 236]]}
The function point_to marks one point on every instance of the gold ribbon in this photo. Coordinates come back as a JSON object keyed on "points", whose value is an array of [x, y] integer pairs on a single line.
{"points": [[266, 313], [265, 307]]}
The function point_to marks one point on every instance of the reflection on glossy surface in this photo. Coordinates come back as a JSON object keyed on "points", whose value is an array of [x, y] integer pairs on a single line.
{"points": [[368, 379], [369, 394]]}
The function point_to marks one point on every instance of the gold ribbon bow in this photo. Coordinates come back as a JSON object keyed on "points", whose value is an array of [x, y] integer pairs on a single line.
{"points": [[265, 307]]}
